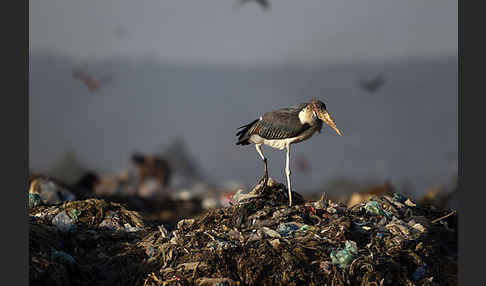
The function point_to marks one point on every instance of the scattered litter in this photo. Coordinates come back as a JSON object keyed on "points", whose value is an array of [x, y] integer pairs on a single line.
{"points": [[419, 223], [409, 203], [34, 200], [111, 222], [399, 197], [374, 208], [151, 251], [288, 228], [130, 228], [185, 224], [345, 256], [74, 213], [215, 282], [50, 190], [443, 217], [270, 232], [63, 222], [259, 240]]}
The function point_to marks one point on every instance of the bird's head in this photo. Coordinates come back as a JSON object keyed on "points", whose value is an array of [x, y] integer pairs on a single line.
{"points": [[319, 109]]}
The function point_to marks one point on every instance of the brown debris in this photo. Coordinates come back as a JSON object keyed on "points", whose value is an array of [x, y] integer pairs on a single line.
{"points": [[259, 240]]}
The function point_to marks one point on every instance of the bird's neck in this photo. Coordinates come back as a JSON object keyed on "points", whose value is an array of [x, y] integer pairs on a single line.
{"points": [[306, 116]]}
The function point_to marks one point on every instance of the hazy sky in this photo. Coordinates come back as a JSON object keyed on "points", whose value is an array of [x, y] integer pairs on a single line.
{"points": [[217, 31], [104, 129]]}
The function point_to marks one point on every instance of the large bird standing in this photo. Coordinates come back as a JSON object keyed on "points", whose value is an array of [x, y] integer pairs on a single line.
{"points": [[283, 127]]}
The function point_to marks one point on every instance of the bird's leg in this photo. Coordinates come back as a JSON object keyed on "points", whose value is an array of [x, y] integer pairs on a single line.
{"points": [[287, 172], [265, 176]]}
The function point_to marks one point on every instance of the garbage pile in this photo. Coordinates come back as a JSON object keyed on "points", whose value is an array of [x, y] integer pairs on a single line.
{"points": [[257, 240], [263, 241], [121, 188], [83, 243], [160, 210]]}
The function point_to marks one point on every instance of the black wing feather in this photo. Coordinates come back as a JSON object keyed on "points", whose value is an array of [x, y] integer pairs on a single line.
{"points": [[279, 129], [282, 123], [278, 124], [245, 132]]}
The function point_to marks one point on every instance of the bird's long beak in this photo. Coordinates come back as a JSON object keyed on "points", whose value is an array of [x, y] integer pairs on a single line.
{"points": [[326, 117]]}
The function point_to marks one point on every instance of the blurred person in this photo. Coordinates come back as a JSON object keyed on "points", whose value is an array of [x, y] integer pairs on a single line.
{"points": [[153, 169], [85, 186]]}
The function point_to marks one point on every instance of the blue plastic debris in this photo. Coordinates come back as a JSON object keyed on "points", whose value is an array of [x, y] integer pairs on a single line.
{"points": [[374, 208], [34, 200], [345, 256], [288, 228], [399, 197]]}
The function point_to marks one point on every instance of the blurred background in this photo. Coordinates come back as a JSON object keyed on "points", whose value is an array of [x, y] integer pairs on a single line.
{"points": [[174, 79]]}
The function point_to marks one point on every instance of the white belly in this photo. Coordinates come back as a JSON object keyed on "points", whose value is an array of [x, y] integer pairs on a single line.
{"points": [[281, 143]]}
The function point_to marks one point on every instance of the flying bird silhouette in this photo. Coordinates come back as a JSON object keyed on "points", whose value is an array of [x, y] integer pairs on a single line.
{"points": [[372, 84], [92, 83], [264, 4], [152, 166]]}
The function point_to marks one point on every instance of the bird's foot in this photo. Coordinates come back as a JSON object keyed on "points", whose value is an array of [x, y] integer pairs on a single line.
{"points": [[264, 182]]}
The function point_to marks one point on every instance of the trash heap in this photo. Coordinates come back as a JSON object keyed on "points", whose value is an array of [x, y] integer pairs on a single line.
{"points": [[83, 243], [45, 190], [259, 240], [161, 210], [262, 241]]}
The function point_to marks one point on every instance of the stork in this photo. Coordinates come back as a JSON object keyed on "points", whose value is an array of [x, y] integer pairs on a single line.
{"points": [[283, 127]]}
